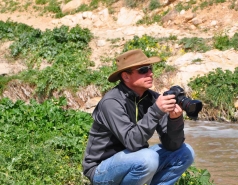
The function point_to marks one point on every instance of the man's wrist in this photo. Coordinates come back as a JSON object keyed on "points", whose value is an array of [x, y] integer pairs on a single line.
{"points": [[176, 117]]}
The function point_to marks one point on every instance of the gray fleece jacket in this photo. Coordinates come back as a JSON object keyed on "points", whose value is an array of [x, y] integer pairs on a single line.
{"points": [[123, 120]]}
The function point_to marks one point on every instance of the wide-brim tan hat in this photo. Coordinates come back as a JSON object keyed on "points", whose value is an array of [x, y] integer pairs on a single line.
{"points": [[130, 59]]}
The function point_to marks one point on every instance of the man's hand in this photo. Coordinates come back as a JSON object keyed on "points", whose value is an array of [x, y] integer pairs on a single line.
{"points": [[168, 104], [176, 112]]}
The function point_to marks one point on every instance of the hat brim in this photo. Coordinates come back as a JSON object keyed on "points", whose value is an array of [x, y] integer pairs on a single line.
{"points": [[115, 76]]}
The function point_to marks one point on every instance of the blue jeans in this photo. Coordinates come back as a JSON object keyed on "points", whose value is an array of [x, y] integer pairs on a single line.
{"points": [[154, 165]]}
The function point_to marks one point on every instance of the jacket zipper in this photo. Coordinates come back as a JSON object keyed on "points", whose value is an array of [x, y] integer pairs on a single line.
{"points": [[136, 104]]}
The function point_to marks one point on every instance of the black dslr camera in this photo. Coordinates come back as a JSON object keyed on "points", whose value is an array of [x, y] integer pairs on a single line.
{"points": [[192, 107]]}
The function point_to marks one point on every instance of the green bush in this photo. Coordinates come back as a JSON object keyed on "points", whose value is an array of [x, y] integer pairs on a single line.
{"points": [[195, 176], [54, 7], [41, 6], [217, 90], [38, 45], [42, 143], [65, 49], [223, 42], [41, 2], [11, 30], [150, 45], [148, 20], [194, 44], [154, 4], [234, 41]]}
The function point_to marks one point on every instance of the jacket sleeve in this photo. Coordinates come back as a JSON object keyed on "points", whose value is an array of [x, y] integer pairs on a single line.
{"points": [[113, 116], [171, 132]]}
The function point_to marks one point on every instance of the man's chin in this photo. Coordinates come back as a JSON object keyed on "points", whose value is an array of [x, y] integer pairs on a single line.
{"points": [[149, 86], [149, 83]]}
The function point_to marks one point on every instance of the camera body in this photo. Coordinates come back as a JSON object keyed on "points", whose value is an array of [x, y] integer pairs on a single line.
{"points": [[192, 107]]}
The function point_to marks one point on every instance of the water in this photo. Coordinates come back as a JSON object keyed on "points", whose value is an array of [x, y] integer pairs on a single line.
{"points": [[216, 148]]}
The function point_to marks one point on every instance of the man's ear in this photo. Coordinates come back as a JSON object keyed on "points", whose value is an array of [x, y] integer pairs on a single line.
{"points": [[125, 76]]}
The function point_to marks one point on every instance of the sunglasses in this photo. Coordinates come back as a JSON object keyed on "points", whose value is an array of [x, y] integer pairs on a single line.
{"points": [[144, 69]]}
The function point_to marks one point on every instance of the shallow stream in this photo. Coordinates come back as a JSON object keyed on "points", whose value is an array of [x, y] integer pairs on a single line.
{"points": [[216, 148]]}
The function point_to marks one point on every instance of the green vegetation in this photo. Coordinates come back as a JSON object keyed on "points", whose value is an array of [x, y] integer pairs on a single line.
{"points": [[42, 143], [41, 6], [152, 47], [220, 41], [94, 4], [148, 20], [196, 5], [195, 176], [54, 7], [149, 45], [185, 6], [197, 60], [217, 90], [42, 2], [193, 5], [10, 6], [234, 5], [195, 44], [154, 4], [36, 46], [133, 3], [223, 42], [65, 49]]}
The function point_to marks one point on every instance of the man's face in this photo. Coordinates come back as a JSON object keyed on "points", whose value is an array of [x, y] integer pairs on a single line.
{"points": [[141, 78]]}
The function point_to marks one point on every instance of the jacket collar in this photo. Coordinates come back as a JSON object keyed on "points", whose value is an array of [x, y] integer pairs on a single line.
{"points": [[129, 93]]}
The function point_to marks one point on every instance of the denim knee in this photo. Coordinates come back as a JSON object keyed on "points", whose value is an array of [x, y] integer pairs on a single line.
{"points": [[148, 159], [188, 151]]}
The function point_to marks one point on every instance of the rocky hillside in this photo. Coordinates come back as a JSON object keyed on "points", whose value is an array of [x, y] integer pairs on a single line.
{"points": [[117, 22]]}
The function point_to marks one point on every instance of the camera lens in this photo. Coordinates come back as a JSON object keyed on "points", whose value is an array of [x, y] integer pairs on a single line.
{"points": [[192, 107]]}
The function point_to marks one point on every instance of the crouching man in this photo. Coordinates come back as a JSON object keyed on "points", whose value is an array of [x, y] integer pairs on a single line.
{"points": [[125, 119]]}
